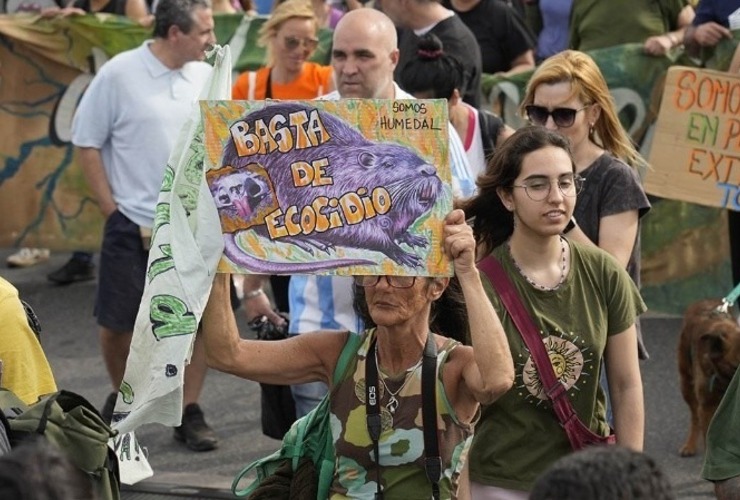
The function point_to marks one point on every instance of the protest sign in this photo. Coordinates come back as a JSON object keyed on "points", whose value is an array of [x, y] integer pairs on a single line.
{"points": [[695, 153], [330, 187], [45, 201]]}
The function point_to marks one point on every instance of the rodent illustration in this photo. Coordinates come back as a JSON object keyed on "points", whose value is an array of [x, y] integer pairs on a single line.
{"points": [[388, 184]]}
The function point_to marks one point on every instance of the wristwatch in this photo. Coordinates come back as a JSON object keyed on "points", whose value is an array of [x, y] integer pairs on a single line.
{"points": [[571, 224]]}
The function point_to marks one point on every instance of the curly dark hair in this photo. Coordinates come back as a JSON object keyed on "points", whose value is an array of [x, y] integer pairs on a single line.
{"points": [[603, 473], [39, 470]]}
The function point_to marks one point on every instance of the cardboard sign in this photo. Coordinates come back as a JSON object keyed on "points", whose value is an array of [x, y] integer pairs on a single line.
{"points": [[695, 155], [330, 187]]}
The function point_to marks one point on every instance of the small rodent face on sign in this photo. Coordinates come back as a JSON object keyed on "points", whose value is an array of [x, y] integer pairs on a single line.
{"points": [[239, 193]]}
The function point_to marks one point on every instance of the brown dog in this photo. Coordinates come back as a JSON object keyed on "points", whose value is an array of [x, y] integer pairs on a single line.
{"points": [[708, 355]]}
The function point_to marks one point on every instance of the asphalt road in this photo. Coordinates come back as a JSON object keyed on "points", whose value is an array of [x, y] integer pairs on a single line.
{"points": [[232, 405]]}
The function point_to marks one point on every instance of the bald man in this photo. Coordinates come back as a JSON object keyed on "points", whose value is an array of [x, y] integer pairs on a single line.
{"points": [[364, 56]]}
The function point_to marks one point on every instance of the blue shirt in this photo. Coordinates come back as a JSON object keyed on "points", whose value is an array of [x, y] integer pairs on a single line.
{"points": [[718, 11]]}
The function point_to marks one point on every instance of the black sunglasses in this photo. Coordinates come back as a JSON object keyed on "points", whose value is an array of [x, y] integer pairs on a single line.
{"points": [[562, 117]]}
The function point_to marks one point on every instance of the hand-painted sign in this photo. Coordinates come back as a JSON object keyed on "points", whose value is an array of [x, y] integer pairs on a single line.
{"points": [[331, 187], [695, 153]]}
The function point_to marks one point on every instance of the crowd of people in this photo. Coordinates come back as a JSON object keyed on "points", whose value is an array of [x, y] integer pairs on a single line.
{"points": [[557, 204]]}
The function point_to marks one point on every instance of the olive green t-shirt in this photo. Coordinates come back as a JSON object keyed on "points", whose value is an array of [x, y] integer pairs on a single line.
{"points": [[519, 435], [722, 458], [596, 24]]}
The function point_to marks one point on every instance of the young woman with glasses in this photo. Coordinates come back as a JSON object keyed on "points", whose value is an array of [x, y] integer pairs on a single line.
{"points": [[568, 93], [582, 302], [290, 36], [403, 310]]}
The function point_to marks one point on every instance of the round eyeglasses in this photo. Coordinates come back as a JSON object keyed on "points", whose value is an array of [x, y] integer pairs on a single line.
{"points": [[562, 117], [394, 281], [538, 188]]}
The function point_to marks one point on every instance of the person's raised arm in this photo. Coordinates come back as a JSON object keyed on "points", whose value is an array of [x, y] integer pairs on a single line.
{"points": [[617, 235], [704, 35], [256, 302], [659, 45], [492, 373], [299, 359]]}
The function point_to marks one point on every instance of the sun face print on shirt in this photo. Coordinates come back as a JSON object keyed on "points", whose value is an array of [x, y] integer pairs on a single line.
{"points": [[571, 360]]}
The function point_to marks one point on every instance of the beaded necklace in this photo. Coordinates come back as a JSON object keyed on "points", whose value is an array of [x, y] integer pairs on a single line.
{"points": [[537, 285]]}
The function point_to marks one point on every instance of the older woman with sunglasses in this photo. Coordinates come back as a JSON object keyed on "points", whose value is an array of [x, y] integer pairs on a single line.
{"points": [[583, 306], [568, 93], [404, 311], [290, 37]]}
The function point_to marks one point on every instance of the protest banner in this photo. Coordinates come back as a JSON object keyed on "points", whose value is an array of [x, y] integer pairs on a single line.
{"points": [[695, 155], [47, 63], [331, 187]]}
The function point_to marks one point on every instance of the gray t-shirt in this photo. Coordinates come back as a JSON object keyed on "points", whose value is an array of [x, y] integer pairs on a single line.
{"points": [[612, 187]]}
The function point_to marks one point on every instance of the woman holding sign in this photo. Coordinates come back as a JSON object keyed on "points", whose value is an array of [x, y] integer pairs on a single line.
{"points": [[568, 93], [404, 309]]}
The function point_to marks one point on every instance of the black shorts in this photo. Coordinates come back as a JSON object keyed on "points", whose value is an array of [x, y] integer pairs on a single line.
{"points": [[122, 274]]}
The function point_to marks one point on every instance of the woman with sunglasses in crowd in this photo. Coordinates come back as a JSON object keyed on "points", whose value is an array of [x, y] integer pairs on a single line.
{"points": [[568, 93], [406, 311], [290, 36], [582, 303]]}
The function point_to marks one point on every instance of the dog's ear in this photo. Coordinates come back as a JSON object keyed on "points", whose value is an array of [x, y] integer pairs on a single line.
{"points": [[713, 343]]}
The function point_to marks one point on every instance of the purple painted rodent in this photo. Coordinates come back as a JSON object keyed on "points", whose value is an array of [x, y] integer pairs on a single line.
{"points": [[387, 187]]}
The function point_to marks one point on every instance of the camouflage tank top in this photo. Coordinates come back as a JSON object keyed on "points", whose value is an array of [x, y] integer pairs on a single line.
{"points": [[401, 445]]}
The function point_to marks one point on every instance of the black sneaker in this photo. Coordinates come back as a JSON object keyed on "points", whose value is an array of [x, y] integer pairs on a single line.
{"points": [[194, 431], [75, 269], [108, 407]]}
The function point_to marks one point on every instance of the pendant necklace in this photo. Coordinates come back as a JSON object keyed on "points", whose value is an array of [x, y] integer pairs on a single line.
{"points": [[392, 403]]}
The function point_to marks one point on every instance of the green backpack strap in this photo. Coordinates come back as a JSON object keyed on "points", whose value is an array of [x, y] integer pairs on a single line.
{"points": [[348, 351]]}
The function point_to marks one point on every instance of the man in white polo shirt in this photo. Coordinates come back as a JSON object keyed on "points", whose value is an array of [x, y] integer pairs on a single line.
{"points": [[125, 127]]}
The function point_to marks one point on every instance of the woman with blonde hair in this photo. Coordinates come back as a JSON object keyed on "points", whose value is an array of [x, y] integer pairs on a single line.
{"points": [[568, 93], [290, 37]]}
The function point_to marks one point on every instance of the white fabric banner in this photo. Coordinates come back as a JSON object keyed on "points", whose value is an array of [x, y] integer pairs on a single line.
{"points": [[185, 250]]}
